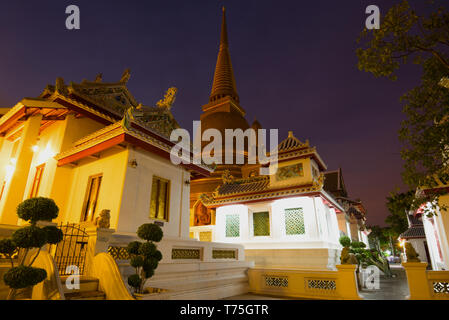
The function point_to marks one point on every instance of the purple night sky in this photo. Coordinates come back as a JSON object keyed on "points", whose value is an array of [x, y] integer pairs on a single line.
{"points": [[294, 63]]}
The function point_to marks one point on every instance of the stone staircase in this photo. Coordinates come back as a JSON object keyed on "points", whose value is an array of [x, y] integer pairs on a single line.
{"points": [[88, 289], [197, 281]]}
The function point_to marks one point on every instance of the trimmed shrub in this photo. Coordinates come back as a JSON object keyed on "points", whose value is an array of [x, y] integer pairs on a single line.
{"points": [[345, 241], [137, 261], [150, 232], [358, 245], [31, 210], [38, 209], [7, 247], [54, 234], [134, 281], [157, 255], [23, 276], [29, 237], [133, 247], [147, 249], [144, 257]]}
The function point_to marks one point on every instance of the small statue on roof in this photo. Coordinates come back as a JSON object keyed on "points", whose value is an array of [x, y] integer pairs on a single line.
{"points": [[99, 78], [60, 86], [126, 75], [129, 116], [227, 177], [169, 99]]}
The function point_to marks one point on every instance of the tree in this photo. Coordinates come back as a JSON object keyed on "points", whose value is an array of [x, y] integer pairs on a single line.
{"points": [[378, 237], [399, 205], [144, 256], [406, 36], [27, 238], [355, 252]]}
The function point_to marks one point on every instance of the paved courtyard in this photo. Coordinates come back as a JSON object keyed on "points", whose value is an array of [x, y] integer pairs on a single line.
{"points": [[395, 288]]}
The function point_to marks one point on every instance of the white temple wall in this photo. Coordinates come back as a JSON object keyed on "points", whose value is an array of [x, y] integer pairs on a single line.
{"points": [[136, 198], [320, 224]]}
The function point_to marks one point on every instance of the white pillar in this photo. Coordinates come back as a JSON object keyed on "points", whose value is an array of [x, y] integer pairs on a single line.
{"points": [[14, 194]]}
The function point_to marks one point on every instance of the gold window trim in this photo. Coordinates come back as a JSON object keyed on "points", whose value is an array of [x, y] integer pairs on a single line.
{"points": [[86, 197], [37, 181], [167, 201]]}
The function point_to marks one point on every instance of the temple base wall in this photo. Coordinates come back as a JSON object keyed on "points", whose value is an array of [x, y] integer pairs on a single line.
{"points": [[305, 258]]}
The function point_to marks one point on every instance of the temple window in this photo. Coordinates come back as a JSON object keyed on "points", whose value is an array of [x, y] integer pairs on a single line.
{"points": [[261, 224], [91, 199], [232, 226], [37, 181], [294, 221], [160, 195]]}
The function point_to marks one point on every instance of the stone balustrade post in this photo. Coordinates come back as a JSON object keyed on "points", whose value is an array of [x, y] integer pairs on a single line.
{"points": [[347, 282], [98, 242], [417, 280]]}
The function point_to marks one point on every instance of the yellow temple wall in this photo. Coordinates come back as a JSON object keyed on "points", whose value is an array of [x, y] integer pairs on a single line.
{"points": [[112, 166]]}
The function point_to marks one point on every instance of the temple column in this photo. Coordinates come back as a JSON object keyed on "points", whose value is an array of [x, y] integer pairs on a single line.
{"points": [[14, 193], [58, 190]]}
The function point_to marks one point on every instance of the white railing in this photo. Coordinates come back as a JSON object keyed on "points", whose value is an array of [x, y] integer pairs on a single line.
{"points": [[181, 251]]}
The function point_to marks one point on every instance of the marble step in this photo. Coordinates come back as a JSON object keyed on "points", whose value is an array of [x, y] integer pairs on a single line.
{"points": [[87, 284], [85, 295]]}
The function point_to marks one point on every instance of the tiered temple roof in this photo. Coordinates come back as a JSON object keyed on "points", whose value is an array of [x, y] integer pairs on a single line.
{"points": [[258, 188], [107, 103], [415, 230]]}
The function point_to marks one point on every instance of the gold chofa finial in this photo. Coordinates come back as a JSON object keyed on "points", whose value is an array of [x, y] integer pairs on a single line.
{"points": [[223, 8], [169, 99], [290, 134], [126, 75]]}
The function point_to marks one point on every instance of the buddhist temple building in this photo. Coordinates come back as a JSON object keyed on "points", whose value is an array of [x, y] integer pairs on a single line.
{"points": [[353, 222], [223, 111], [285, 219], [237, 191], [105, 159]]}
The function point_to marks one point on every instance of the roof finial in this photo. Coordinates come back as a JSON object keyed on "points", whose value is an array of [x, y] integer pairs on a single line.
{"points": [[290, 134], [224, 82]]}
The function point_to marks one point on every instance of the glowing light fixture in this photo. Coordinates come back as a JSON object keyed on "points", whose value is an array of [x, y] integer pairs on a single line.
{"points": [[35, 148], [45, 154], [10, 167]]}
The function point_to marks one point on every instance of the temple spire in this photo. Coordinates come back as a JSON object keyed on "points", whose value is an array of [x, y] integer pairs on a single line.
{"points": [[224, 82]]}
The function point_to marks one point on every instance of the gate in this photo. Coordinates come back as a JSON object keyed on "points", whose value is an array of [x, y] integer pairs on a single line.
{"points": [[72, 249]]}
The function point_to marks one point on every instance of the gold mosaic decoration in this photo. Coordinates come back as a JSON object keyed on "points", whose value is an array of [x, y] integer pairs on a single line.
{"points": [[288, 172], [294, 221], [188, 254], [276, 281], [261, 224], [232, 226], [206, 236], [224, 254], [118, 253]]}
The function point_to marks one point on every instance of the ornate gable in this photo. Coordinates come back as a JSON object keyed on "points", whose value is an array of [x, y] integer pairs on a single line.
{"points": [[114, 100]]}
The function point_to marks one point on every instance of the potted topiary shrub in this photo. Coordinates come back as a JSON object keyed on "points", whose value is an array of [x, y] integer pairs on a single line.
{"points": [[347, 257], [144, 258], [24, 275]]}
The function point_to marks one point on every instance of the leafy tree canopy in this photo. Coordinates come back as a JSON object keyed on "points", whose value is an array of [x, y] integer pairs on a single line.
{"points": [[404, 37]]}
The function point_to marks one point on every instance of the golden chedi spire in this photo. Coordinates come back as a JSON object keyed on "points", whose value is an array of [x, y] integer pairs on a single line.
{"points": [[224, 81]]}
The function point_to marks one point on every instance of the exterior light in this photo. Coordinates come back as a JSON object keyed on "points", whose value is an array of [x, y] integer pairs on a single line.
{"points": [[45, 154], [35, 148], [10, 169]]}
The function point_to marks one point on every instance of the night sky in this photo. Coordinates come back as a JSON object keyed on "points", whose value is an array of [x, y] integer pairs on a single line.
{"points": [[294, 63]]}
